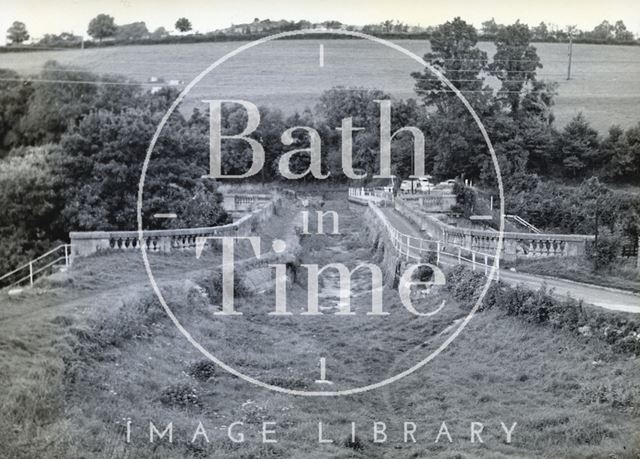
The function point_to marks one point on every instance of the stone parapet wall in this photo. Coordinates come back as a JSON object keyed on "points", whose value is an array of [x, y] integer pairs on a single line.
{"points": [[514, 245], [90, 242]]}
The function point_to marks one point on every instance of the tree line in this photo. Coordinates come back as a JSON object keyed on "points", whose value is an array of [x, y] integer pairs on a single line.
{"points": [[103, 26], [605, 32]]}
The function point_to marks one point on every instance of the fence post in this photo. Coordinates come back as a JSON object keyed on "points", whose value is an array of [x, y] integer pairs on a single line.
{"points": [[437, 253], [408, 245], [486, 264], [31, 273], [66, 255], [473, 261], [459, 256]]}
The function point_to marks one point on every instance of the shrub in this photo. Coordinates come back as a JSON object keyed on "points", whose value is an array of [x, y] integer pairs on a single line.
{"points": [[605, 252], [353, 443], [213, 286], [465, 199], [202, 370], [464, 284], [541, 307], [618, 395], [180, 395]]}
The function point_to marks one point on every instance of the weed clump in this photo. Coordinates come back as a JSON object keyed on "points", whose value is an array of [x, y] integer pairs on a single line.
{"points": [[354, 443], [202, 370], [179, 395], [213, 286]]}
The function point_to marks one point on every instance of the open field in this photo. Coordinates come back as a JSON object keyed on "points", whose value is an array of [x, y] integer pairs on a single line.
{"points": [[83, 366], [286, 74]]}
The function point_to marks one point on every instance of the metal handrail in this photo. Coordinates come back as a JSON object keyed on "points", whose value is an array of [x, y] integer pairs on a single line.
{"points": [[30, 266], [395, 236], [524, 223], [26, 265]]}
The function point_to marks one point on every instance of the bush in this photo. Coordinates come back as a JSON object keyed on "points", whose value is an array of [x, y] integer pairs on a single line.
{"points": [[202, 370], [464, 284], [354, 443], [541, 307], [465, 199], [213, 286], [180, 395], [605, 252]]}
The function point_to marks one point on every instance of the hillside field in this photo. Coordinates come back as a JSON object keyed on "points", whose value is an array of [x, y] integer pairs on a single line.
{"points": [[286, 74]]}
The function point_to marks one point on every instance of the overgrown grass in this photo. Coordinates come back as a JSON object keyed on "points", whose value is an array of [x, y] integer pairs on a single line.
{"points": [[77, 376]]}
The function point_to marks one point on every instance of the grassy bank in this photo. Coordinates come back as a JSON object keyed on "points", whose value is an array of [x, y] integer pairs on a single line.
{"points": [[88, 369]]}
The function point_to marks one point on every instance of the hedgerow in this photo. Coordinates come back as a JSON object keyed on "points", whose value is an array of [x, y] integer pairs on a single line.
{"points": [[620, 330]]}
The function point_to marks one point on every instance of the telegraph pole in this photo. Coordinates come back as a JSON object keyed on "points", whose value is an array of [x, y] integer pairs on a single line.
{"points": [[570, 31]]}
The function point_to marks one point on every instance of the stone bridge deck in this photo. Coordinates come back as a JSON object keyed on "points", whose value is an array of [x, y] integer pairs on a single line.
{"points": [[609, 298]]}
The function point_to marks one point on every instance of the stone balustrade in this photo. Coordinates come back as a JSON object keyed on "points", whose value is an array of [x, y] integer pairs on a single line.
{"points": [[90, 242], [237, 202], [363, 196], [436, 202], [514, 245]]}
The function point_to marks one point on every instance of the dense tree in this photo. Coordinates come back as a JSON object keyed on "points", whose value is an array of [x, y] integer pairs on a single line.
{"points": [[490, 28], [332, 24], [17, 33], [511, 145], [577, 147], [53, 108], [102, 161], [62, 40], [458, 144], [102, 26], [133, 31], [31, 204], [387, 25], [160, 32], [541, 32], [183, 25], [13, 96], [515, 64], [237, 155], [359, 105], [619, 155], [539, 140], [454, 54], [603, 31], [621, 33]]}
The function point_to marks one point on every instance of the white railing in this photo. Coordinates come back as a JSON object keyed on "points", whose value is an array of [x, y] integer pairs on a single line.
{"points": [[376, 195], [416, 248], [524, 223], [407, 246], [58, 256]]}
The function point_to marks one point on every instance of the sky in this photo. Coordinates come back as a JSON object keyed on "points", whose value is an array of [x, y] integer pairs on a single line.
{"points": [[58, 16]]}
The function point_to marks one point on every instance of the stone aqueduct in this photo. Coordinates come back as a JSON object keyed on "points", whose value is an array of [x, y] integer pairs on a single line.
{"points": [[258, 208]]}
